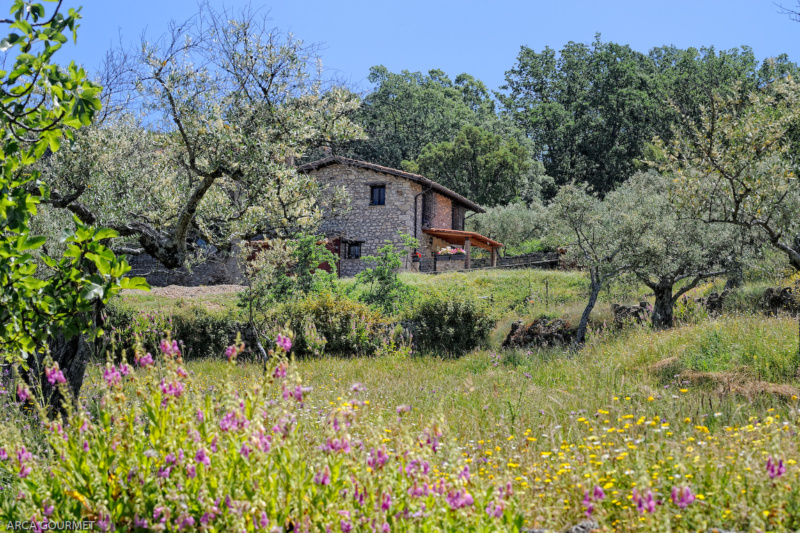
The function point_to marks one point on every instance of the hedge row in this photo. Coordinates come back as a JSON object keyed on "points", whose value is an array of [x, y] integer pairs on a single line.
{"points": [[322, 324]]}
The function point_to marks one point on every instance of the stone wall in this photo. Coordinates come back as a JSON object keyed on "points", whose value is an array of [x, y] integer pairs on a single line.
{"points": [[216, 270]]}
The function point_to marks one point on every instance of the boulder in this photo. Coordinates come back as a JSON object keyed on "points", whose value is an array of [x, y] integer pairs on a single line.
{"points": [[624, 314], [539, 333]]}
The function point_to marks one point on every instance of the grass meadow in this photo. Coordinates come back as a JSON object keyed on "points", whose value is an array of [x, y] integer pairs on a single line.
{"points": [[705, 407]]}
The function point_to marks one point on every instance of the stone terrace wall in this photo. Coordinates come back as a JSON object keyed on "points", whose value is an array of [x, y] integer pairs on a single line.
{"points": [[217, 270]]}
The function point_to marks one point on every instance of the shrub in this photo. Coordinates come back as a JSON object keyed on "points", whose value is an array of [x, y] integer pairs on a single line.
{"points": [[449, 324], [383, 287], [207, 333], [242, 459], [331, 323]]}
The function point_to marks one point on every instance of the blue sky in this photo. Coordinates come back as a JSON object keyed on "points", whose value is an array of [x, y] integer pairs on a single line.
{"points": [[481, 38]]}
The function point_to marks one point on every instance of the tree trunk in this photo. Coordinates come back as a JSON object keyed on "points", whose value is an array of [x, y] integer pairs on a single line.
{"points": [[72, 356], [662, 308], [735, 277], [580, 335]]}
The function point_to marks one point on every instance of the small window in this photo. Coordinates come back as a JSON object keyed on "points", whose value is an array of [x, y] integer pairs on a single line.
{"points": [[378, 195], [354, 250]]}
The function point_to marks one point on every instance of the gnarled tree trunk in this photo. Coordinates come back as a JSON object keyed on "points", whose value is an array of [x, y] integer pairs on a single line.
{"points": [[662, 308], [596, 285]]}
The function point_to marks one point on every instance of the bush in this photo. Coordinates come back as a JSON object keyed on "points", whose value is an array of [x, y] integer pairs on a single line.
{"points": [[449, 324], [331, 323], [207, 333]]}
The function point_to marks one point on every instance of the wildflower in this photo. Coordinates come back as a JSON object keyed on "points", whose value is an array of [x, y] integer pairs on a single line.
{"points": [[459, 498], [230, 352], [169, 349], [23, 455], [495, 510], [174, 389], [111, 375], [23, 393], [264, 442], [280, 371], [377, 458], [186, 521], [244, 451], [682, 496], [386, 501], [200, 416], [86, 445], [3, 454], [598, 493], [145, 360], [346, 525], [285, 343], [164, 471], [139, 522], [264, 521], [191, 471], [104, 522], [527, 375], [202, 457], [357, 387], [323, 477], [644, 503], [775, 469], [403, 409], [54, 375], [124, 369]]}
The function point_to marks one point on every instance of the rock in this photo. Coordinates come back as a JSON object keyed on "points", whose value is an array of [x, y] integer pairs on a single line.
{"points": [[624, 314], [778, 299], [584, 527], [541, 332], [713, 302]]}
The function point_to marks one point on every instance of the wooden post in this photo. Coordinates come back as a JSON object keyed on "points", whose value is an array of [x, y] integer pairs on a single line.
{"points": [[494, 256], [468, 249]]}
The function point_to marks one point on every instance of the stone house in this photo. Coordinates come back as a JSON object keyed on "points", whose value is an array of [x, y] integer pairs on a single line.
{"points": [[386, 202]]}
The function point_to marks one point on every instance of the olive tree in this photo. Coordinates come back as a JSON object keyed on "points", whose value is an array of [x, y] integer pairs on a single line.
{"points": [[584, 225], [736, 165], [204, 125], [666, 252]]}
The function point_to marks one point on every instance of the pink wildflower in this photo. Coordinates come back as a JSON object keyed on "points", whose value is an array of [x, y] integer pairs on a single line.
{"points": [[285, 343], [169, 349], [323, 477], [23, 393], [54, 375], [111, 375], [682, 496], [145, 360]]}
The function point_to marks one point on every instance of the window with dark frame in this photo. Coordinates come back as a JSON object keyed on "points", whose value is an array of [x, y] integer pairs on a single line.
{"points": [[377, 195], [354, 250]]}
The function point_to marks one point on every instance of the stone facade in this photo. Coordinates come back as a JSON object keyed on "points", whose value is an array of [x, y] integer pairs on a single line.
{"points": [[370, 226]]}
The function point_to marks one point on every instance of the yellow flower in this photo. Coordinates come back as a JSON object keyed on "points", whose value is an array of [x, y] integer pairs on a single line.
{"points": [[650, 398], [684, 390]]}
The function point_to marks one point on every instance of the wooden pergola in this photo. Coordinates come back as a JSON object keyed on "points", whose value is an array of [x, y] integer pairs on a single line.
{"points": [[466, 239]]}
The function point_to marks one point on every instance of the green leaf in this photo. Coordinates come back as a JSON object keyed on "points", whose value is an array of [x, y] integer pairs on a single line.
{"points": [[24, 243], [105, 233], [92, 291], [134, 283]]}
